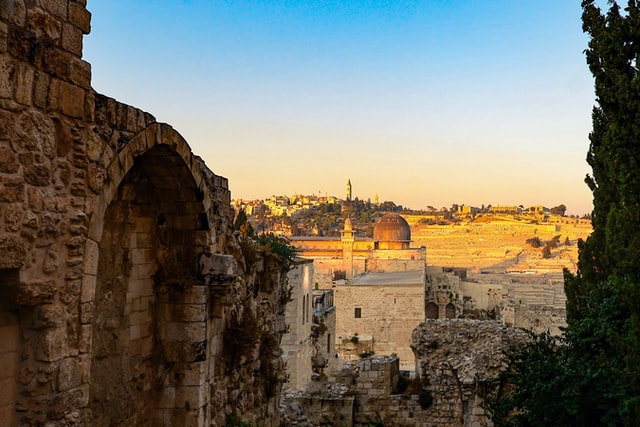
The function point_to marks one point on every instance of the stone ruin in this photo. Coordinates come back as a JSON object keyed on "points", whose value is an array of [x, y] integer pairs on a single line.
{"points": [[459, 362], [125, 296]]}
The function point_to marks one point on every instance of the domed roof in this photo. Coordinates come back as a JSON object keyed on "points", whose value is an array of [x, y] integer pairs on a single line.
{"points": [[391, 228]]}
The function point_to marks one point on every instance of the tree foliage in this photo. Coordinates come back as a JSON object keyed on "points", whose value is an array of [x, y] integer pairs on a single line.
{"points": [[558, 210], [591, 375], [278, 246]]}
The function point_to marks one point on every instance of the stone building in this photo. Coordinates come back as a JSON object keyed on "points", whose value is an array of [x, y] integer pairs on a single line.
{"points": [[308, 346], [122, 284], [350, 255], [324, 333], [378, 284], [296, 344]]}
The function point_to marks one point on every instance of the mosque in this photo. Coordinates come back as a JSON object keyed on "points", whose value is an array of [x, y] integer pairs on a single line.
{"points": [[383, 288], [378, 284]]}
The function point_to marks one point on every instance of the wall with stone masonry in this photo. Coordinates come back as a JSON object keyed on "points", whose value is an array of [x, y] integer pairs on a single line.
{"points": [[296, 343], [458, 364], [459, 361], [360, 394], [120, 275], [388, 315]]}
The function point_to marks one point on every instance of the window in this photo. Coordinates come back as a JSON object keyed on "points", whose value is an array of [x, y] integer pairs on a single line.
{"points": [[304, 307], [358, 313]]}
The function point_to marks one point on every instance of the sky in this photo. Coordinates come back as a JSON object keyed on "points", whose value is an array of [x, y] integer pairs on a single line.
{"points": [[424, 103]]}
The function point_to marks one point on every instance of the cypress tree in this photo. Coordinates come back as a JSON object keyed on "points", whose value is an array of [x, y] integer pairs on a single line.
{"points": [[606, 288], [593, 370], [613, 249]]}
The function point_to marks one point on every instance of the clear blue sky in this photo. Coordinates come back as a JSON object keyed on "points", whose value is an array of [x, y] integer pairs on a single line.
{"points": [[429, 102]]}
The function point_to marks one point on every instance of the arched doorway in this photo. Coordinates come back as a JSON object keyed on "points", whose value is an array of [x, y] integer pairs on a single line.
{"points": [[150, 242], [450, 311], [9, 347], [431, 311]]}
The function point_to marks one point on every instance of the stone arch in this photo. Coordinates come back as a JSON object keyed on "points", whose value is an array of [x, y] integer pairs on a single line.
{"points": [[450, 311], [150, 225], [431, 311]]}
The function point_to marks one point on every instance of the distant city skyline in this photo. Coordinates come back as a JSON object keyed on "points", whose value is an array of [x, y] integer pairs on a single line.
{"points": [[430, 102], [376, 200]]}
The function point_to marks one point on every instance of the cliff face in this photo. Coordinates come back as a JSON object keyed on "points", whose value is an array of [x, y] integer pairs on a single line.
{"points": [[125, 295]]}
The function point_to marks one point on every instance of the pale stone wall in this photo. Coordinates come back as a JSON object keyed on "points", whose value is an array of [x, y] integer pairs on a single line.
{"points": [[388, 316], [532, 301], [324, 268], [360, 394], [327, 341], [296, 343], [382, 265]]}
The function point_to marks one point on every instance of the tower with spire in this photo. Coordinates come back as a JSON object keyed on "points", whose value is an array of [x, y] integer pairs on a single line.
{"points": [[349, 190]]}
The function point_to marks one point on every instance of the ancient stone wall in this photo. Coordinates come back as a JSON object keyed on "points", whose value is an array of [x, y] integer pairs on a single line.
{"points": [[360, 394], [120, 275], [297, 344], [458, 363], [324, 269], [387, 316]]}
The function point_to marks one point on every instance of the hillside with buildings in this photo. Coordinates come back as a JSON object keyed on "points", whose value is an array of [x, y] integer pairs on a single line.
{"points": [[487, 238]]}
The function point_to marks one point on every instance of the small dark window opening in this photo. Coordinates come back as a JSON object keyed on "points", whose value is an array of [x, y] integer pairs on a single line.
{"points": [[358, 313]]}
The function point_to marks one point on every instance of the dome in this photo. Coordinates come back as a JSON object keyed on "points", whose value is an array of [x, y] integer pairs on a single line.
{"points": [[391, 228]]}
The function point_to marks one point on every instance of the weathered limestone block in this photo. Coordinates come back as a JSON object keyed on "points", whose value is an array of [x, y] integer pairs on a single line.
{"points": [[80, 16], [24, 89], [8, 161], [218, 268], [52, 344], [48, 316], [14, 11], [12, 252], [7, 71], [35, 293], [73, 372], [4, 35], [41, 89], [7, 126], [72, 39], [12, 190], [13, 218], [38, 175], [57, 7], [35, 132]]}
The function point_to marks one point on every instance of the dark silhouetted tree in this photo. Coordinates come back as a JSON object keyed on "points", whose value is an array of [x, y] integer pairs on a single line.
{"points": [[595, 365]]}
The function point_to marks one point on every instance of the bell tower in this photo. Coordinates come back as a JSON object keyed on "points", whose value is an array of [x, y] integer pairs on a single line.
{"points": [[348, 198]]}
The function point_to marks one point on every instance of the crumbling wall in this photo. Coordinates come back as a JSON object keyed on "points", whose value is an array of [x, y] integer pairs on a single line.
{"points": [[360, 394], [458, 363], [119, 269]]}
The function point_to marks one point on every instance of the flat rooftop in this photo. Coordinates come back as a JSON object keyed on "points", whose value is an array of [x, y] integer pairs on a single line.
{"points": [[410, 277]]}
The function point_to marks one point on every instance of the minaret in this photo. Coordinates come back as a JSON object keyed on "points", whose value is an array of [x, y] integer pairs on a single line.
{"points": [[348, 190], [348, 239]]}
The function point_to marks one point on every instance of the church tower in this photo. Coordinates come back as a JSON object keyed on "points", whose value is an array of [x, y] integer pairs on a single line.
{"points": [[348, 191]]}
